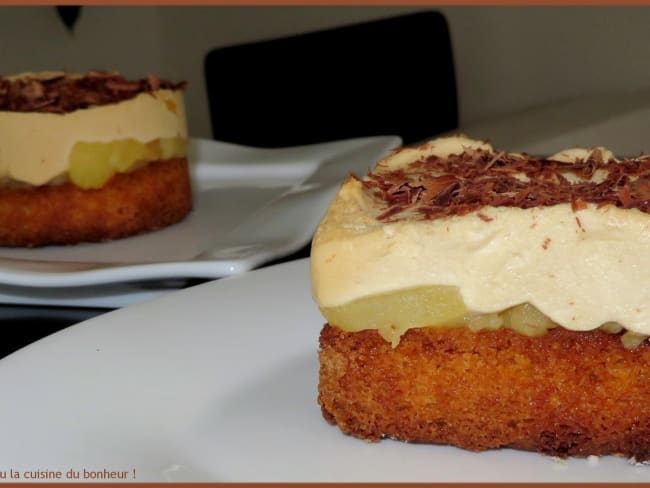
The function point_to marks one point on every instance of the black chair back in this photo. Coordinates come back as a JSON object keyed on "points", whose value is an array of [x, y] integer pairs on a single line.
{"points": [[390, 76]]}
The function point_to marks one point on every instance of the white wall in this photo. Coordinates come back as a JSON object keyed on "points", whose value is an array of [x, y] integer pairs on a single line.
{"points": [[507, 58], [512, 58], [127, 39]]}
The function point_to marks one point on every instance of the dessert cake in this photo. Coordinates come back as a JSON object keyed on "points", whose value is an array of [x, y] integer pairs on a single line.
{"points": [[486, 299], [90, 157]]}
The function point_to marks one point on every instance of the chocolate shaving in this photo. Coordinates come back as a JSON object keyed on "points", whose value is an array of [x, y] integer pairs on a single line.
{"points": [[390, 212], [578, 204], [438, 187], [65, 93]]}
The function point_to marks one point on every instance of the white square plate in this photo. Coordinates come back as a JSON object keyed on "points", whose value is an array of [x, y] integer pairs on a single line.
{"points": [[251, 205]]}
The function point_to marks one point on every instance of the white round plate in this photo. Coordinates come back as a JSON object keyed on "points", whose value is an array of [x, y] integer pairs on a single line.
{"points": [[218, 383]]}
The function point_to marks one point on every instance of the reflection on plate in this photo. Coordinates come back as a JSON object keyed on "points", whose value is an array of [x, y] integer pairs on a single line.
{"points": [[251, 206], [218, 383]]}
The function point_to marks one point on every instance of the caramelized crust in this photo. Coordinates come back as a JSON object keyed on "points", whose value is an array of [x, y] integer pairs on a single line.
{"points": [[563, 394], [151, 197]]}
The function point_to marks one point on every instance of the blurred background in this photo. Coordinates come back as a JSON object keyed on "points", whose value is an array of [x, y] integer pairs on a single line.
{"points": [[508, 60]]}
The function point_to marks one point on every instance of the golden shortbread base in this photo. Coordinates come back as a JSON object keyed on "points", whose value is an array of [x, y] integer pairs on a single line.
{"points": [[564, 393], [153, 196]]}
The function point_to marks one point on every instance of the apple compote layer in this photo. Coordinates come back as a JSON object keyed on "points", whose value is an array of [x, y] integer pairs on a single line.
{"points": [[454, 233], [393, 313]]}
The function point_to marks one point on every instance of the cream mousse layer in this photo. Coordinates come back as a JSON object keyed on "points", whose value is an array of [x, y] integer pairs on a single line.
{"points": [[581, 268], [35, 147]]}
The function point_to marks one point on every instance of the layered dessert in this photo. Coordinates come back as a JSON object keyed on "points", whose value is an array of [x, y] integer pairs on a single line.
{"points": [[487, 299], [90, 157]]}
